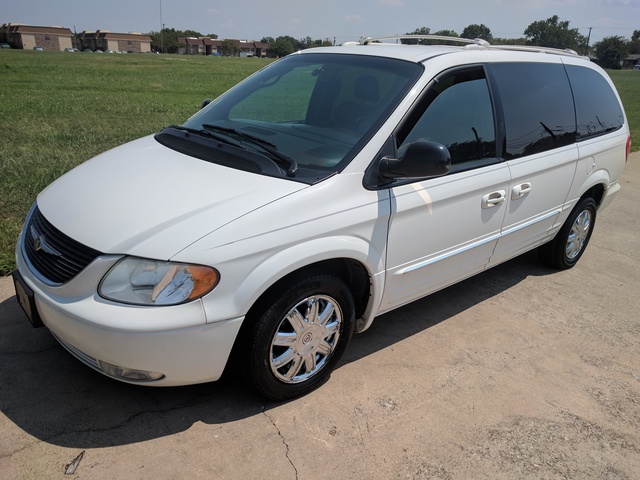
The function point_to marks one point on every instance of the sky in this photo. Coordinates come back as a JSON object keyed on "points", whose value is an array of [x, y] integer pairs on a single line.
{"points": [[336, 20]]}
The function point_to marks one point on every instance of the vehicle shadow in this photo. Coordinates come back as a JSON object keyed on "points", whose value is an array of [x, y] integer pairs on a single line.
{"points": [[51, 396]]}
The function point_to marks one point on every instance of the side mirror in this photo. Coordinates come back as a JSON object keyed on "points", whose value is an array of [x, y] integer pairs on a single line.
{"points": [[205, 102], [423, 159]]}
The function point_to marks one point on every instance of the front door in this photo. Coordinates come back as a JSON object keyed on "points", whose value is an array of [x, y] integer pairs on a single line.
{"points": [[445, 229]]}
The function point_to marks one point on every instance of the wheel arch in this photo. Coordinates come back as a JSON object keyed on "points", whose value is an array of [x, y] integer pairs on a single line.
{"points": [[596, 192], [351, 271]]}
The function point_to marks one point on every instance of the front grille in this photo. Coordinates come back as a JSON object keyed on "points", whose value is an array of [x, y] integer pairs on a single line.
{"points": [[55, 256]]}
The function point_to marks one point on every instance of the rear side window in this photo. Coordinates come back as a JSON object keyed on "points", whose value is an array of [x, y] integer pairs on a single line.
{"points": [[537, 106], [597, 108]]}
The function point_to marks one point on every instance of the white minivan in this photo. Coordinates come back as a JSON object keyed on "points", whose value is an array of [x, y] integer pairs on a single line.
{"points": [[334, 185]]}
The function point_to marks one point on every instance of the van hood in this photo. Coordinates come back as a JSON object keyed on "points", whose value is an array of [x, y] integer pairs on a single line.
{"points": [[147, 200]]}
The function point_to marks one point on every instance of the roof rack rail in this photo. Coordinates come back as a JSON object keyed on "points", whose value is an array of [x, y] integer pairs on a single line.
{"points": [[476, 41], [533, 48]]}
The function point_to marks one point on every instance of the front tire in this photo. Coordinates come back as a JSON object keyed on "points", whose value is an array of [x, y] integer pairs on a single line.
{"points": [[564, 251], [299, 336]]}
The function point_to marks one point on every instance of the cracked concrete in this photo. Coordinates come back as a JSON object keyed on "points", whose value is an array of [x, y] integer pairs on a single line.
{"points": [[520, 372], [284, 442]]}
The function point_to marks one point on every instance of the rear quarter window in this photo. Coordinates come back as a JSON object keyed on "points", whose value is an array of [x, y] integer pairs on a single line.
{"points": [[537, 105], [598, 110]]}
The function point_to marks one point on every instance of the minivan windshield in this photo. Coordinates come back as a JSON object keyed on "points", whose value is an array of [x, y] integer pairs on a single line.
{"points": [[308, 113]]}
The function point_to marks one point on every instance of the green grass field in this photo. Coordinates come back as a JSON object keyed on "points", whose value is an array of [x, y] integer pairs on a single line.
{"points": [[58, 109]]}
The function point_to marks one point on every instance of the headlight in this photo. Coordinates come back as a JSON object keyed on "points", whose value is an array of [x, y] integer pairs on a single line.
{"points": [[139, 281]]}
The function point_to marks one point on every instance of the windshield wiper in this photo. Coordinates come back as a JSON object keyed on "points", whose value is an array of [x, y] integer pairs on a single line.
{"points": [[267, 146], [206, 133]]}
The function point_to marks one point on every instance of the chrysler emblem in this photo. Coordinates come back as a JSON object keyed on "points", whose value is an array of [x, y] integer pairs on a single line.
{"points": [[40, 243]]}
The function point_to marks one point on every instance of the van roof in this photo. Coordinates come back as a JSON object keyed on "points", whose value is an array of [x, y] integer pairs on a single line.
{"points": [[391, 46]]}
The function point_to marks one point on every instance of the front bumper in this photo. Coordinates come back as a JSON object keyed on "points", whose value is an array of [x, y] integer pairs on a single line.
{"points": [[175, 341]]}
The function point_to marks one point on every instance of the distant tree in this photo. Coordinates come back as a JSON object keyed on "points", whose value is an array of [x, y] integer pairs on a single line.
{"points": [[509, 41], [634, 44], [267, 40], [446, 33], [166, 40], [417, 31], [297, 44], [555, 34], [477, 31], [611, 51], [280, 47], [443, 33], [306, 42], [191, 34], [229, 47]]}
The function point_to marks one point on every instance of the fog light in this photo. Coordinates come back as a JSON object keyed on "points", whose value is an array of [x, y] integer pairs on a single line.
{"points": [[129, 374]]}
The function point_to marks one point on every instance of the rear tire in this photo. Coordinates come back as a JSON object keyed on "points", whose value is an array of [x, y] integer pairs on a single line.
{"points": [[299, 335], [564, 251]]}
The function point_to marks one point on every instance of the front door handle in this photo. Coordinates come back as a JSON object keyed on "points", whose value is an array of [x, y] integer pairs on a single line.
{"points": [[493, 199], [520, 191]]}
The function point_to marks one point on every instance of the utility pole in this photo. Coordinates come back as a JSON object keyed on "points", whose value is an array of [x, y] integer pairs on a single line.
{"points": [[161, 30], [586, 49]]}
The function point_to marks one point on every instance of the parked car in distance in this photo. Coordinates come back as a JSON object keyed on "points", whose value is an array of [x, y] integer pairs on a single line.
{"points": [[5, 45], [39, 49], [332, 186]]}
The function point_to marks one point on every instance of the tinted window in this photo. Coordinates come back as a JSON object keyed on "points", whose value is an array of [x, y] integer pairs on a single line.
{"points": [[458, 114], [537, 105], [597, 108], [316, 108]]}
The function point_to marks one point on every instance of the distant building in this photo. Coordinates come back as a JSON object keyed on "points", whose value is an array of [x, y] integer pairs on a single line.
{"points": [[631, 61], [192, 46], [253, 49], [209, 46], [29, 36], [118, 42]]}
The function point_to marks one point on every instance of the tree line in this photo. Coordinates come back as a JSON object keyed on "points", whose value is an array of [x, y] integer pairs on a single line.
{"points": [[552, 32]]}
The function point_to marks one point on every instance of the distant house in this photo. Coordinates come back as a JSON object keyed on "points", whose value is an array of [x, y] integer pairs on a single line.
{"points": [[29, 36], [209, 46], [253, 49], [191, 46], [631, 61], [118, 42]]}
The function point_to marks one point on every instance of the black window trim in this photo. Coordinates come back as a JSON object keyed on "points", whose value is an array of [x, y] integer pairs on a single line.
{"points": [[413, 115]]}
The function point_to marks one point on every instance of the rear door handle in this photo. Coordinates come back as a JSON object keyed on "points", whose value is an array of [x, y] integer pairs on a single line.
{"points": [[520, 191], [493, 199]]}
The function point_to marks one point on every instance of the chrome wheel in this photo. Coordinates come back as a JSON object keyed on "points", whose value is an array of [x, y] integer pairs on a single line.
{"points": [[298, 333], [578, 234], [305, 339], [572, 239]]}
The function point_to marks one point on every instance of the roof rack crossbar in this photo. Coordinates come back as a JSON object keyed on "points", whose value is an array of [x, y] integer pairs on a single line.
{"points": [[476, 41]]}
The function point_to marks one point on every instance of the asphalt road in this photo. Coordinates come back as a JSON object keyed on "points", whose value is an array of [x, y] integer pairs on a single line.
{"points": [[520, 372]]}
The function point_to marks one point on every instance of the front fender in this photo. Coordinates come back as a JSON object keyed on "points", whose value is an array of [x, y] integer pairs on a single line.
{"points": [[287, 261]]}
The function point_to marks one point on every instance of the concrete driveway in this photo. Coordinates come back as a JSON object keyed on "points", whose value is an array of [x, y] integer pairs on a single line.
{"points": [[520, 372]]}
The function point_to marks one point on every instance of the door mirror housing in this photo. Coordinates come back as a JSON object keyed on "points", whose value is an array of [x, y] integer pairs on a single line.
{"points": [[423, 159]]}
